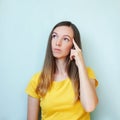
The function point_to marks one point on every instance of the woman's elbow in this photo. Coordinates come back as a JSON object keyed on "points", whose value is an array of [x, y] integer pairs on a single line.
{"points": [[91, 107]]}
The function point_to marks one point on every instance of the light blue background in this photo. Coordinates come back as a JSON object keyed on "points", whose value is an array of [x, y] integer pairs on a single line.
{"points": [[24, 29]]}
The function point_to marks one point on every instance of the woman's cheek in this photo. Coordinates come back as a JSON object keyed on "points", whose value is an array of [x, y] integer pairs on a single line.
{"points": [[68, 49]]}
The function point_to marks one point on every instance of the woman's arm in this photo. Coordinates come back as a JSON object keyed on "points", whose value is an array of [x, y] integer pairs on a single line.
{"points": [[88, 96], [33, 108]]}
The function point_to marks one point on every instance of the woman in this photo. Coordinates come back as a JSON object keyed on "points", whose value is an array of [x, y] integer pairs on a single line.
{"points": [[65, 88]]}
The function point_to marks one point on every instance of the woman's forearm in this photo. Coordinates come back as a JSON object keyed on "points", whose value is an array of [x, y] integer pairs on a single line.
{"points": [[88, 96]]}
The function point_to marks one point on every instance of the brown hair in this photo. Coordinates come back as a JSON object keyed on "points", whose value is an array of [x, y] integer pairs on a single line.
{"points": [[49, 66]]}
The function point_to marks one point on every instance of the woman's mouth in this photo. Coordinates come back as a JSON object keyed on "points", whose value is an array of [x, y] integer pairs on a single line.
{"points": [[56, 50]]}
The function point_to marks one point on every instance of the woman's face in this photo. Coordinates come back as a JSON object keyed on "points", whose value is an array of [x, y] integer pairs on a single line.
{"points": [[62, 41]]}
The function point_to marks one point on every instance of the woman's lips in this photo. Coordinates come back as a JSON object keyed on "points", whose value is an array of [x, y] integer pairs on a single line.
{"points": [[56, 50]]}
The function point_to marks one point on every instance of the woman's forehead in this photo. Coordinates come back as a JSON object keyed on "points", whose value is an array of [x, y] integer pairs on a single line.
{"points": [[65, 30]]}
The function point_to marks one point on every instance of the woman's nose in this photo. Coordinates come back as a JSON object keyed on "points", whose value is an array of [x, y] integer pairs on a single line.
{"points": [[59, 42]]}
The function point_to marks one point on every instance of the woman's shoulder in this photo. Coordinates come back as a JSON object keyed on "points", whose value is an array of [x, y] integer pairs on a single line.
{"points": [[36, 74], [92, 75], [32, 85], [34, 79], [90, 70]]}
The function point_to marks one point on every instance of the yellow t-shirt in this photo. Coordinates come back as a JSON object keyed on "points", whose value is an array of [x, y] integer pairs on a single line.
{"points": [[58, 103]]}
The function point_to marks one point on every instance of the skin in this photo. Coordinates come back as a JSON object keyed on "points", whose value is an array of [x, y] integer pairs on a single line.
{"points": [[61, 43], [88, 96], [33, 108]]}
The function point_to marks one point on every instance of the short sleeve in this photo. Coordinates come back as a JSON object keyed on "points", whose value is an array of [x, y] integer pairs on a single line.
{"points": [[32, 85], [91, 75]]}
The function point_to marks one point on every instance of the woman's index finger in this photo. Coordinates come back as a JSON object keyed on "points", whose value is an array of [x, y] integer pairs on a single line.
{"points": [[75, 45]]}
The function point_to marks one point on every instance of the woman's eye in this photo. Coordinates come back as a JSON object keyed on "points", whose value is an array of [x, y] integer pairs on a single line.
{"points": [[54, 36], [66, 39]]}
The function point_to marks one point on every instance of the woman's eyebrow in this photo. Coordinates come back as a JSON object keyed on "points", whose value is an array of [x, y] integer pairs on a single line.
{"points": [[68, 36], [54, 33], [63, 35]]}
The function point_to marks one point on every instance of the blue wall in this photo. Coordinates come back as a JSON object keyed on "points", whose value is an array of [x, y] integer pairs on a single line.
{"points": [[24, 30]]}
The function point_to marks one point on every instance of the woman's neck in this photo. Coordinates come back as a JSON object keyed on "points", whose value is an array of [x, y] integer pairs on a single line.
{"points": [[61, 66], [61, 72]]}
